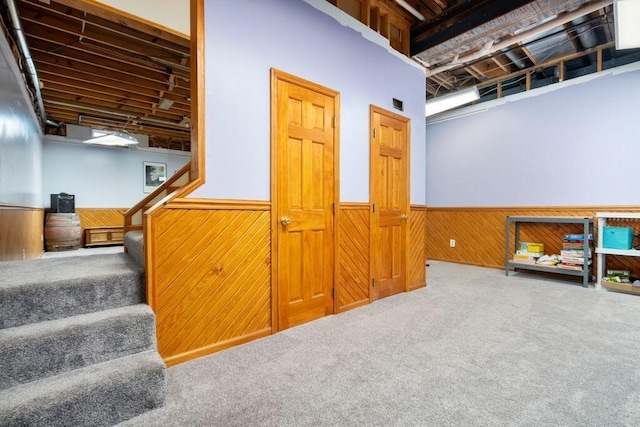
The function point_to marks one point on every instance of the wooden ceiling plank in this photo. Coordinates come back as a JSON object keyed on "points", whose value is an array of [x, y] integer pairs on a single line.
{"points": [[91, 121], [435, 7], [501, 62], [440, 81], [477, 71], [528, 70], [64, 74], [81, 86], [87, 55], [104, 71], [126, 102], [104, 105], [527, 53], [102, 12], [572, 35], [443, 5], [88, 119], [58, 35], [81, 27]]}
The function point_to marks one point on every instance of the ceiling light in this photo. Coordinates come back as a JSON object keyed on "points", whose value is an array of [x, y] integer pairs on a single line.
{"points": [[626, 16], [116, 139], [185, 122], [448, 102], [165, 104]]}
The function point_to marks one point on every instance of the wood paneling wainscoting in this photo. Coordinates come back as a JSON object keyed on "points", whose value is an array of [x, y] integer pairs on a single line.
{"points": [[209, 275], [480, 233], [100, 217], [21, 233], [209, 271], [417, 247], [353, 256]]}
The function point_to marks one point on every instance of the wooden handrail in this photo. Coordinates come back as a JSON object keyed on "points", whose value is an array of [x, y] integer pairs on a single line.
{"points": [[133, 217]]}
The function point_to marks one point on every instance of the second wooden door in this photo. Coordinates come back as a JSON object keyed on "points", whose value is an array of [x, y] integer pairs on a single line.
{"points": [[390, 202]]}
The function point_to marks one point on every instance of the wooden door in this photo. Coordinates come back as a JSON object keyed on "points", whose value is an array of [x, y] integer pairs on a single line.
{"points": [[304, 174], [389, 183]]}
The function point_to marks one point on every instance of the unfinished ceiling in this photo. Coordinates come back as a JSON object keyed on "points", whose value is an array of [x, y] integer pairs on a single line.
{"points": [[502, 47], [509, 47], [103, 70]]}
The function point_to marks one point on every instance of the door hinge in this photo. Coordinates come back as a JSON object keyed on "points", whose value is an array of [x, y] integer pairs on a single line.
{"points": [[334, 293], [334, 121], [373, 283], [374, 208], [374, 132], [334, 208]]}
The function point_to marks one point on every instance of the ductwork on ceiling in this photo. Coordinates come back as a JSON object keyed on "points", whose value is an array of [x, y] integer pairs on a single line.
{"points": [[481, 41], [26, 56]]}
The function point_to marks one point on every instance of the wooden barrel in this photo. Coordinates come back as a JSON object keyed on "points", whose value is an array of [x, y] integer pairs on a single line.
{"points": [[62, 232]]}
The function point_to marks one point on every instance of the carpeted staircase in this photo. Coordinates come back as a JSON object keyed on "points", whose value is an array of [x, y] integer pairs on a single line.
{"points": [[77, 342], [134, 242]]}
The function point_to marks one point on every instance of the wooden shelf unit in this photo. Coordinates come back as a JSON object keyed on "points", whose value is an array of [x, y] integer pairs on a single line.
{"points": [[101, 236], [603, 252], [587, 224]]}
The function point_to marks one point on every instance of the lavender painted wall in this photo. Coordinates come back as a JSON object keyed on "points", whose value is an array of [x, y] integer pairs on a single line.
{"points": [[576, 146], [20, 138], [101, 177], [244, 39]]}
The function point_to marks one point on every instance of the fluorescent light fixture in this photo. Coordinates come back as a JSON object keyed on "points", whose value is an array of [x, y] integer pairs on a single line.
{"points": [[411, 9], [627, 18], [448, 102], [165, 104], [185, 122], [116, 139]]}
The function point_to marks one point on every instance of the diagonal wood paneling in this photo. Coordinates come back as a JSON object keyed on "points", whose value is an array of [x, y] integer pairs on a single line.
{"points": [[212, 275], [417, 247], [100, 217], [480, 233], [353, 256]]}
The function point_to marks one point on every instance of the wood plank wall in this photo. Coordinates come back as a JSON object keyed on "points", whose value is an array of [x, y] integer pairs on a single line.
{"points": [[480, 233], [210, 262], [100, 217], [21, 233], [209, 271], [417, 247], [353, 256]]}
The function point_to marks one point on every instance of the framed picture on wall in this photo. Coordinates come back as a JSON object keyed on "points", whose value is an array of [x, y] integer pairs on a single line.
{"points": [[155, 174]]}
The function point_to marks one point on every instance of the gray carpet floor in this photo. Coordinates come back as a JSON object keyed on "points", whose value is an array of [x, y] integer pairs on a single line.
{"points": [[474, 348]]}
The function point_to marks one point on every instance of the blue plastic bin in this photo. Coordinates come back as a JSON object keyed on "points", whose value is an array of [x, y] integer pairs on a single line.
{"points": [[617, 237]]}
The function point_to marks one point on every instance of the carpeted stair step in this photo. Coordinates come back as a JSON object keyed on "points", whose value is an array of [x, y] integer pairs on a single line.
{"points": [[103, 394], [53, 288], [39, 350], [134, 241]]}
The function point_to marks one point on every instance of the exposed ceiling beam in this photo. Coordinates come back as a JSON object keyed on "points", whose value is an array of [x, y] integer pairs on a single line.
{"points": [[108, 14], [424, 38], [501, 62]]}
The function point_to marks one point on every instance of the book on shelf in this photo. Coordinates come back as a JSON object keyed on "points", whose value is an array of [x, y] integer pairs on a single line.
{"points": [[578, 267], [573, 253], [579, 237], [573, 260], [529, 253], [574, 245], [531, 247], [524, 259]]}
